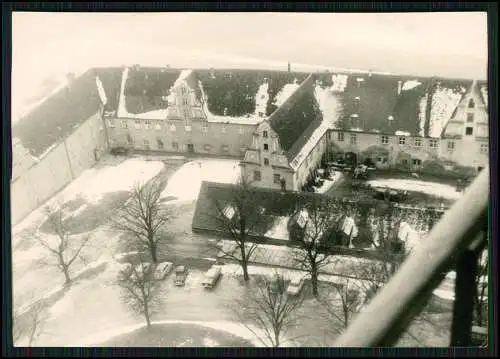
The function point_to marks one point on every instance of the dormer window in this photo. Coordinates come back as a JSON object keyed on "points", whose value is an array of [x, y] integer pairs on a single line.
{"points": [[471, 103], [264, 134]]}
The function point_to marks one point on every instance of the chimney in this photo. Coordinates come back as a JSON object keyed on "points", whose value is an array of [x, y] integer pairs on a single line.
{"points": [[212, 73], [400, 83], [289, 67]]}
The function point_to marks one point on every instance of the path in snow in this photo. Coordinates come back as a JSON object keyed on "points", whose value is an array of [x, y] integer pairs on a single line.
{"points": [[430, 188], [185, 184]]}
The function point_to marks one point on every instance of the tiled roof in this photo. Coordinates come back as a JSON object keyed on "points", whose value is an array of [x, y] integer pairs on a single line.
{"points": [[146, 88], [296, 120], [368, 101], [236, 90], [59, 115]]}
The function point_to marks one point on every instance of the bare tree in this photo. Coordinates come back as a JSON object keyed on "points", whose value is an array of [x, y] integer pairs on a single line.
{"points": [[316, 219], [140, 290], [238, 216], [481, 297], [344, 302], [270, 309], [65, 248], [144, 216], [29, 324]]}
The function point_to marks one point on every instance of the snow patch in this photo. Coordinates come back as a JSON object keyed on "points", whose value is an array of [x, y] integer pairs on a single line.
{"points": [[186, 182], [279, 229], [444, 102], [411, 84], [339, 83], [329, 104], [209, 342], [402, 133], [285, 93], [160, 114], [182, 77], [100, 89], [431, 188], [261, 98], [422, 109], [122, 109], [484, 94], [94, 183], [357, 129]]}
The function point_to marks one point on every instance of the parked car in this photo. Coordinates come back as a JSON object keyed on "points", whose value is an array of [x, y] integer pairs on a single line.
{"points": [[180, 276], [211, 277], [162, 270], [295, 286]]}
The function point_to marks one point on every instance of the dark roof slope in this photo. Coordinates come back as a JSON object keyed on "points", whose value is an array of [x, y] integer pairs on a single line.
{"points": [[236, 89], [111, 78], [59, 115], [146, 86], [297, 118]]}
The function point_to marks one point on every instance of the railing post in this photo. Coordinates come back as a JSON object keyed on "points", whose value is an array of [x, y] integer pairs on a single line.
{"points": [[465, 291]]}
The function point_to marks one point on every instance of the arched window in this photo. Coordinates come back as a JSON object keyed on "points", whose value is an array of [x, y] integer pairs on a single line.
{"points": [[471, 103]]}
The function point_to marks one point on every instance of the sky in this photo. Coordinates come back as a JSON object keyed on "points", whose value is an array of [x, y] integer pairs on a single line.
{"points": [[444, 44]]}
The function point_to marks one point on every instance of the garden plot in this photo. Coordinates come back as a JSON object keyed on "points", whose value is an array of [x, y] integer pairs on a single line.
{"points": [[430, 188], [185, 184]]}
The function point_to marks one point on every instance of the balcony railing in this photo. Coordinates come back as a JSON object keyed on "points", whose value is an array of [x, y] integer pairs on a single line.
{"points": [[455, 240]]}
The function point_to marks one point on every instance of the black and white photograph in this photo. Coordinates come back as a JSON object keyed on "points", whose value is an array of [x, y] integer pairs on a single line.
{"points": [[266, 179]]}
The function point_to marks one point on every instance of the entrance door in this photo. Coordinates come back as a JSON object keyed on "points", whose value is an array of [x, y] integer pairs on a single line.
{"points": [[190, 148]]}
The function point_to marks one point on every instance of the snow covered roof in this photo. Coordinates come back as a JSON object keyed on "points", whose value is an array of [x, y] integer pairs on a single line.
{"points": [[58, 115], [387, 102]]}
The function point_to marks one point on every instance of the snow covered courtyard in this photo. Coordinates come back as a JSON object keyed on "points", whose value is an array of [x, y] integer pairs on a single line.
{"points": [[185, 184], [430, 188]]}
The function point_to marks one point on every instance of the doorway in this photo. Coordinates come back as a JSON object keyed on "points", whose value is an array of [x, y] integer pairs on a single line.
{"points": [[190, 148]]}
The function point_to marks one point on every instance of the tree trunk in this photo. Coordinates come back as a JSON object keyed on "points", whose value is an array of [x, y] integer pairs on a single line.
{"points": [[67, 277], [276, 339], [244, 264], [314, 280], [146, 315], [152, 249]]}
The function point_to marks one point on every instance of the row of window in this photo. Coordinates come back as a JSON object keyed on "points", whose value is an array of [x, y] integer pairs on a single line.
{"points": [[171, 127], [175, 146], [417, 142], [257, 176]]}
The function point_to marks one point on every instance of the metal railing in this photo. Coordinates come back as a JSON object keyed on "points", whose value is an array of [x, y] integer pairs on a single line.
{"points": [[454, 237]]}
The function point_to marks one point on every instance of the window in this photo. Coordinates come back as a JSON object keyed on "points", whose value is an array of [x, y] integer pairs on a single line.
{"points": [[385, 140], [223, 129], [129, 139], [185, 102], [159, 143], [225, 148], [172, 128], [207, 148], [353, 139], [146, 144], [124, 124], [402, 140], [417, 162], [256, 175], [468, 131], [484, 148], [204, 129], [404, 162], [188, 128], [470, 117], [471, 103], [451, 145], [264, 134], [418, 142], [137, 124], [158, 126], [277, 179], [241, 131], [266, 147], [175, 146], [340, 136], [433, 143], [148, 124], [266, 161]]}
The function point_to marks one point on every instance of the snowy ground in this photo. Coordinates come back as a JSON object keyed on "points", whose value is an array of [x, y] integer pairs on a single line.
{"points": [[280, 229], [431, 188], [185, 184]]}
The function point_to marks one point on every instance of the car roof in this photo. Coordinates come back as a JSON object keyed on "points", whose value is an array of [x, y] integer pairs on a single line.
{"points": [[179, 268]]}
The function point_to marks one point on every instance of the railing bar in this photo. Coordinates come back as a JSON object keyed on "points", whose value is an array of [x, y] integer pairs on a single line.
{"points": [[389, 313]]}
